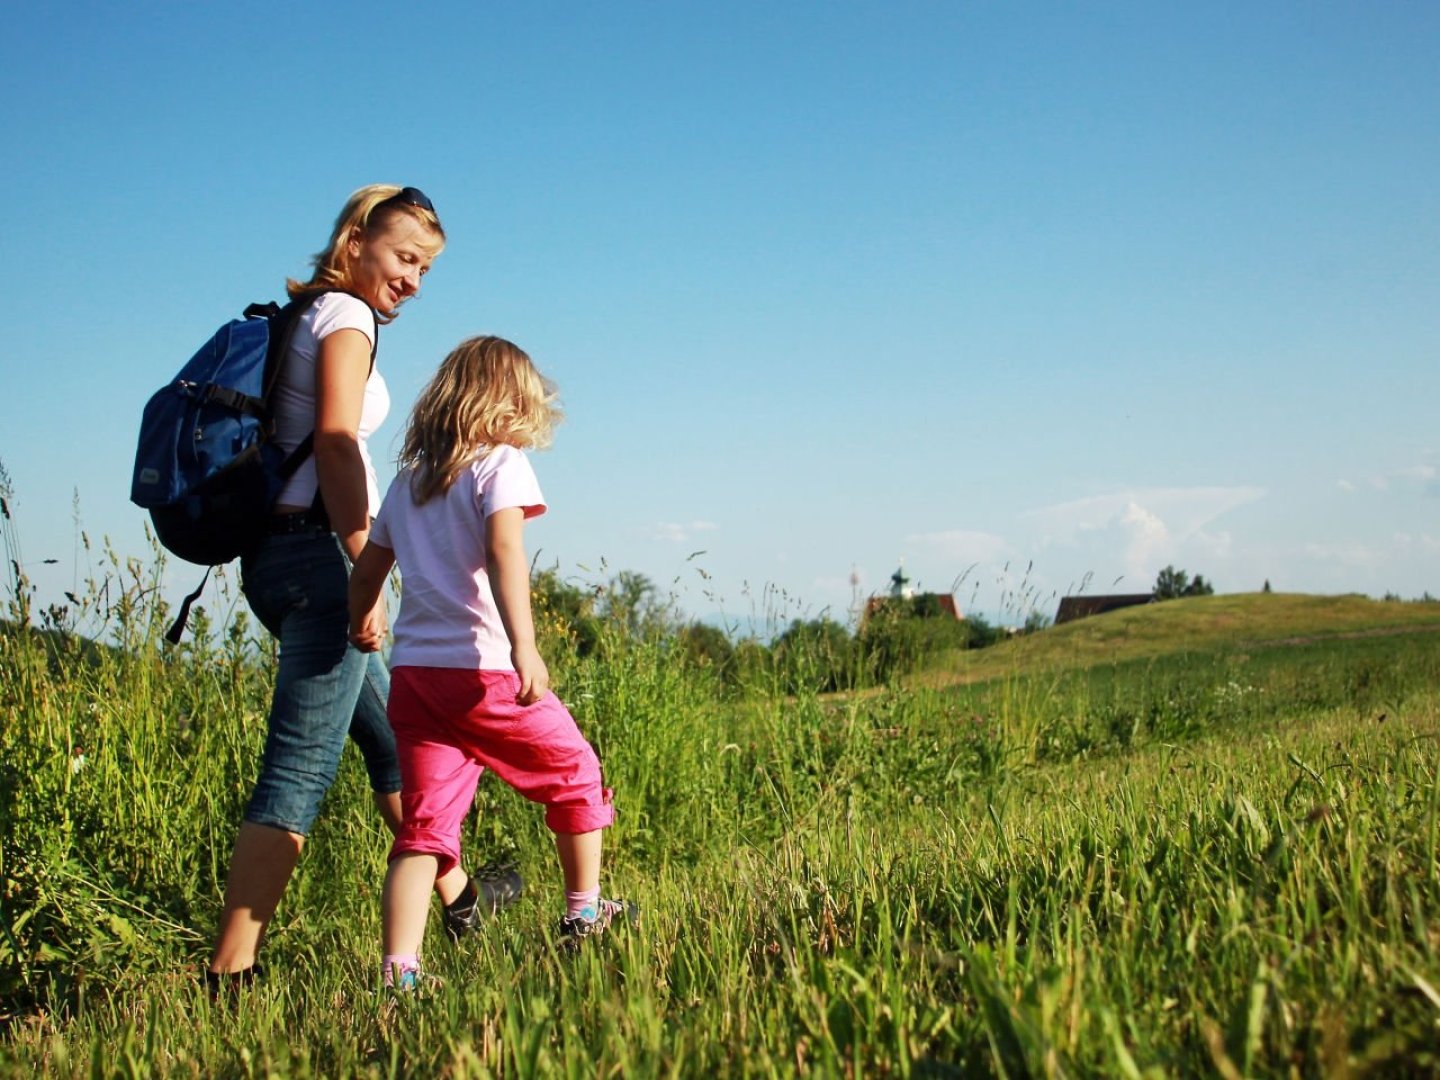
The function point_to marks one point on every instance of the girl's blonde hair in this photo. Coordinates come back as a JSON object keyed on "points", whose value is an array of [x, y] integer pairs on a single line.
{"points": [[367, 213], [487, 393]]}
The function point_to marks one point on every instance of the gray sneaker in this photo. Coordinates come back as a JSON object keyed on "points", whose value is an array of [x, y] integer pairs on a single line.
{"points": [[491, 890], [413, 983], [592, 922]]}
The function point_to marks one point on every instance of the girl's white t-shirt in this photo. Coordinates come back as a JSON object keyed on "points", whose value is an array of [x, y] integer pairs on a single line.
{"points": [[448, 617], [293, 400]]}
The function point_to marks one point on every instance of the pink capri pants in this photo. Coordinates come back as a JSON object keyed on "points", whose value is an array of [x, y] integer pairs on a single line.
{"points": [[452, 723]]}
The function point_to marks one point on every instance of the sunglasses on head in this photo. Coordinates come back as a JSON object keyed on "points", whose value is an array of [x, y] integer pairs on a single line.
{"points": [[411, 196]]}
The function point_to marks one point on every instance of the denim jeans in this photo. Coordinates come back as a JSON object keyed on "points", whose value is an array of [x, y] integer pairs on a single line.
{"points": [[325, 689]]}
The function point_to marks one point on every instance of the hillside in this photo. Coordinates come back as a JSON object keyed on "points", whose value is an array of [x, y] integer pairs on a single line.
{"points": [[1214, 863], [1196, 624]]}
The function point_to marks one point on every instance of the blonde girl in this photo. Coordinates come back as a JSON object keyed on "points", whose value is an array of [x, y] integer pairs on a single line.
{"points": [[470, 690]]}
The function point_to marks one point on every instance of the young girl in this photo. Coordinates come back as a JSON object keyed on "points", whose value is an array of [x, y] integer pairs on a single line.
{"points": [[469, 690]]}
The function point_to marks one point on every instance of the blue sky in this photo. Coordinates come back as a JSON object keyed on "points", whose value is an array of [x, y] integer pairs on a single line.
{"points": [[1037, 297]]}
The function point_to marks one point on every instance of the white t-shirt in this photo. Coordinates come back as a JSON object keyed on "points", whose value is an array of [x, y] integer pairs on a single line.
{"points": [[448, 617], [294, 398]]}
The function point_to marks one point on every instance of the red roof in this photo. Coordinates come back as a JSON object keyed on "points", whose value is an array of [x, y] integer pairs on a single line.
{"points": [[946, 602]]}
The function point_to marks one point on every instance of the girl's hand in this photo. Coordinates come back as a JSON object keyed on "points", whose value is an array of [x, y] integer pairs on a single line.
{"points": [[368, 624], [534, 675], [369, 633]]}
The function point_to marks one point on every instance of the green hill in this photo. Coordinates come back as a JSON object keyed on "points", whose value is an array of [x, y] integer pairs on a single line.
{"points": [[1198, 624]]}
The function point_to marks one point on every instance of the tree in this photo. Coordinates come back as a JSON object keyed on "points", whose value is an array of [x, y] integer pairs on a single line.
{"points": [[816, 655], [564, 614], [1035, 621], [1200, 587], [1171, 584], [632, 602], [899, 636], [706, 646]]}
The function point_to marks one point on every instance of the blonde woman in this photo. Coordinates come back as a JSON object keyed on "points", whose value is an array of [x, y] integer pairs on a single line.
{"points": [[382, 245], [471, 690]]}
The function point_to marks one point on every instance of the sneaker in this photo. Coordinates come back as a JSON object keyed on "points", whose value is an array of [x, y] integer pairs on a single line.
{"points": [[592, 922], [491, 890], [403, 979], [411, 983]]}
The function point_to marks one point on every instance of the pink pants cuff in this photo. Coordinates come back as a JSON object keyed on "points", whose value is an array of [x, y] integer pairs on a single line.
{"points": [[428, 842], [451, 724], [581, 819]]}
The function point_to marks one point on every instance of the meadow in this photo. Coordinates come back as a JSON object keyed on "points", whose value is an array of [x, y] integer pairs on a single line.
{"points": [[1196, 838]]}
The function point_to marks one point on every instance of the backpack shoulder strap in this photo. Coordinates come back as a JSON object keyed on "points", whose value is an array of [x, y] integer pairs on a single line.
{"points": [[285, 320]]}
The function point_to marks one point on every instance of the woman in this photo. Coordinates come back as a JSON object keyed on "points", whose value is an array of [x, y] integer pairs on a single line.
{"points": [[383, 243]]}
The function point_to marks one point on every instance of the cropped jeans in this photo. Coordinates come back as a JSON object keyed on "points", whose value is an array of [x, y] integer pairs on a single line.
{"points": [[325, 689]]}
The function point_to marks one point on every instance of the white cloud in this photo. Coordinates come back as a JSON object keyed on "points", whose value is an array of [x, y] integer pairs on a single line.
{"points": [[678, 533], [1405, 541], [1402, 480], [1147, 538], [1427, 476], [1143, 529], [1181, 511]]}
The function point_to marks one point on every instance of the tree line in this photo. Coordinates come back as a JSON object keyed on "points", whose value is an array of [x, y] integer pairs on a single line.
{"points": [[819, 654], [895, 636]]}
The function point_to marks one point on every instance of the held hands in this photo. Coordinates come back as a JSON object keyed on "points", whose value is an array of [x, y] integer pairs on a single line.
{"points": [[534, 675], [369, 634]]}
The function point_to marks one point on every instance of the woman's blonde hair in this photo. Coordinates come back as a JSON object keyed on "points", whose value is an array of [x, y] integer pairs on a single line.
{"points": [[367, 213], [487, 393]]}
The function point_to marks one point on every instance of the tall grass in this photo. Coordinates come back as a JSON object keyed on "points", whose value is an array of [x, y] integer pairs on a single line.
{"points": [[1222, 862]]}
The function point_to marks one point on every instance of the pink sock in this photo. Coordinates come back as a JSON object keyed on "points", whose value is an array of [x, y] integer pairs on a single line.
{"points": [[579, 903], [397, 965]]}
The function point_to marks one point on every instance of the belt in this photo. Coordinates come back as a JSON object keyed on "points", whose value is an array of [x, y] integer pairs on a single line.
{"points": [[303, 521]]}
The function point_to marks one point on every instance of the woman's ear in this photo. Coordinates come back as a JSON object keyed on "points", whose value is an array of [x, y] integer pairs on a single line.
{"points": [[356, 242]]}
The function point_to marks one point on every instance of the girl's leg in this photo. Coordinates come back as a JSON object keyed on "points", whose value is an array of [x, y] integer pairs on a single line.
{"points": [[438, 782], [539, 751], [406, 902], [586, 911], [580, 860], [371, 731], [449, 885]]}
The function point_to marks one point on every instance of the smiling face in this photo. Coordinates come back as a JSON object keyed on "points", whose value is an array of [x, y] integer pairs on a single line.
{"points": [[388, 260]]}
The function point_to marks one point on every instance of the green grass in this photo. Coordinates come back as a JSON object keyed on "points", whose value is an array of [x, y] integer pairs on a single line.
{"points": [[1196, 625], [1092, 853]]}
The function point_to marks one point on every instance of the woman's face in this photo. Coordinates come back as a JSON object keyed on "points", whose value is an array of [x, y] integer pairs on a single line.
{"points": [[386, 266]]}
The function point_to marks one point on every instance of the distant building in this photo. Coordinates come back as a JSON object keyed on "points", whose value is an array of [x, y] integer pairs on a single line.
{"points": [[900, 584], [921, 604], [1080, 607]]}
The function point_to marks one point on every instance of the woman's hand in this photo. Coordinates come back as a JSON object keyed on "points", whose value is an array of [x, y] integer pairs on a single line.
{"points": [[369, 634], [368, 622]]}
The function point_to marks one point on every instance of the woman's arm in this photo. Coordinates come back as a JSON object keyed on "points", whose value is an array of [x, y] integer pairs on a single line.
{"points": [[367, 615], [341, 371], [509, 573]]}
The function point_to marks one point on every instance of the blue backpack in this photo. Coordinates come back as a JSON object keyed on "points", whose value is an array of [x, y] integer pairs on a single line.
{"points": [[207, 467]]}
